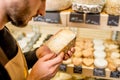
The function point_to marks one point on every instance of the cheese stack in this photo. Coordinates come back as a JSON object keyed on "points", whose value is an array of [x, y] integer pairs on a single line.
{"points": [[83, 52], [99, 54], [113, 54]]}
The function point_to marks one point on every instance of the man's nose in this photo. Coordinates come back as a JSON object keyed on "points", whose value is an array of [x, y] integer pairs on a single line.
{"points": [[42, 10]]}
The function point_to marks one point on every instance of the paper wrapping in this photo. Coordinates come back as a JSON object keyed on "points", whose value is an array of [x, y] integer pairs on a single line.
{"points": [[88, 6]]}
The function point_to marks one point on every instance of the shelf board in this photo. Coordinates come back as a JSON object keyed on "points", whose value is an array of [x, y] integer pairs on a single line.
{"points": [[88, 72]]}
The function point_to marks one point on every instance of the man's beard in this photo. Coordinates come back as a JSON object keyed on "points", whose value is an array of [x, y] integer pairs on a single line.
{"points": [[18, 17], [19, 23]]}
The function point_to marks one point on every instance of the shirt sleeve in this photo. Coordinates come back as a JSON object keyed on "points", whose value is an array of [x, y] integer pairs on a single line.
{"points": [[3, 73], [31, 58]]}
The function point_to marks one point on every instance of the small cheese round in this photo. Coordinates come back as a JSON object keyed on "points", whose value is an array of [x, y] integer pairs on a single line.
{"points": [[115, 55], [98, 41], [77, 52], [77, 61], [88, 45], [113, 46], [112, 66], [117, 62], [87, 53], [99, 47], [99, 54], [88, 61], [100, 63]]}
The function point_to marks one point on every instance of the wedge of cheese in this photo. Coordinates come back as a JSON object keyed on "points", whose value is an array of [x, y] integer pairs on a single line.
{"points": [[63, 40]]}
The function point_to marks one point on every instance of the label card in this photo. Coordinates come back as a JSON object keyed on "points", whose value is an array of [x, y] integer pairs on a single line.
{"points": [[115, 74], [77, 69], [76, 17], [113, 20], [52, 17], [39, 18], [63, 67], [99, 72], [92, 19]]}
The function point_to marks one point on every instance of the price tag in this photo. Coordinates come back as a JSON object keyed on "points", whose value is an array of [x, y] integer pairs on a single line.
{"points": [[92, 19], [52, 17], [39, 18], [99, 72], [113, 20], [115, 74], [119, 74], [63, 67], [76, 17], [77, 69]]}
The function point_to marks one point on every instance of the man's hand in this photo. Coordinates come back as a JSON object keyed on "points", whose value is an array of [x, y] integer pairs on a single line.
{"points": [[69, 54], [44, 50], [46, 67], [48, 63]]}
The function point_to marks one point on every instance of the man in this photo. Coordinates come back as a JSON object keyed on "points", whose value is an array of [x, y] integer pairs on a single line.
{"points": [[43, 61]]}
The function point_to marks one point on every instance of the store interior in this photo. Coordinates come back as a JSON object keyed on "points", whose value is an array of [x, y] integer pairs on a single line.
{"points": [[97, 45]]}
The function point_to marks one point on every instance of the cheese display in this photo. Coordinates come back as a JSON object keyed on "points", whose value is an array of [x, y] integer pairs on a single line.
{"points": [[88, 6], [90, 54], [112, 7], [62, 41], [57, 5]]}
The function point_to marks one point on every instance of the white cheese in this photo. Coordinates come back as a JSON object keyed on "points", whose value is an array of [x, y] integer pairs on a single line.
{"points": [[57, 5]]}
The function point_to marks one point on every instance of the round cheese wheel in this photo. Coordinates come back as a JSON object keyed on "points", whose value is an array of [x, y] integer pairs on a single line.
{"points": [[77, 61], [99, 54], [87, 53], [98, 41], [88, 61], [115, 55], [113, 46], [100, 63], [99, 47], [57, 5], [112, 66]]}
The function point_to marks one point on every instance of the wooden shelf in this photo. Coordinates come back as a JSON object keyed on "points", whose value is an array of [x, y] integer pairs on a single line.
{"points": [[88, 72], [103, 21]]}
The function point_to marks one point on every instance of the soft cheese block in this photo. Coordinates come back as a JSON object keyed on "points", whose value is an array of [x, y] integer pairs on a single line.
{"points": [[62, 41]]}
